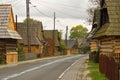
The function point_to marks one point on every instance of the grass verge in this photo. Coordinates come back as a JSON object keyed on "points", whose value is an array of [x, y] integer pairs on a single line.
{"points": [[94, 71]]}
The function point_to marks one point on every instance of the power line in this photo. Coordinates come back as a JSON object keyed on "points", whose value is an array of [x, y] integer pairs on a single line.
{"points": [[76, 10], [41, 12], [35, 7], [66, 5], [69, 15], [10, 1], [58, 21], [47, 6], [18, 4]]}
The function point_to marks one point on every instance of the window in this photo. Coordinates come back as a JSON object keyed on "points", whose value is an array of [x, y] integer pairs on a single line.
{"points": [[102, 2], [104, 16]]}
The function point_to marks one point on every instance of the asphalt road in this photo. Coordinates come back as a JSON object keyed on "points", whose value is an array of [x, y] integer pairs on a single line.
{"points": [[49, 69]]}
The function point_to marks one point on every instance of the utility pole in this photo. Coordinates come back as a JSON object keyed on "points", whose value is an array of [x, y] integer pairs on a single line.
{"points": [[54, 20], [16, 22], [28, 17], [66, 35], [54, 33]]}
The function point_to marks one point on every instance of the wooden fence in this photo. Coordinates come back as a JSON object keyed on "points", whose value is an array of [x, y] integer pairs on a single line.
{"points": [[110, 66], [11, 57], [27, 56]]}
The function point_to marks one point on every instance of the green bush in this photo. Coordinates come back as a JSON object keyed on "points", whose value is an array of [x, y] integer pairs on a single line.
{"points": [[84, 49], [94, 56], [62, 49], [20, 49]]}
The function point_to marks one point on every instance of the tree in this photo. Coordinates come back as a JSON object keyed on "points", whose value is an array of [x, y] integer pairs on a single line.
{"points": [[33, 21], [78, 32], [60, 35], [95, 2], [90, 10], [62, 46]]}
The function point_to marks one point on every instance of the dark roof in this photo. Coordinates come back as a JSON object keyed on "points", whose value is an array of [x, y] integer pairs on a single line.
{"points": [[72, 44], [34, 32], [113, 27], [96, 23], [49, 35], [5, 11]]}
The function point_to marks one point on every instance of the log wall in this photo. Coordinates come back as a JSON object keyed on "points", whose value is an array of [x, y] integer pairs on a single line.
{"points": [[8, 47], [117, 45], [110, 45], [93, 46], [2, 47], [72, 51], [106, 45]]}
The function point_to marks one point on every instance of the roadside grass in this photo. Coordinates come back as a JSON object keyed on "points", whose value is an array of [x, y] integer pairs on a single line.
{"points": [[94, 71]]}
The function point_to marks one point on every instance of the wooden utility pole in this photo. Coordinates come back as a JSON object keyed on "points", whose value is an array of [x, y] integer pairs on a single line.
{"points": [[16, 22], [54, 33], [54, 20], [28, 17], [66, 35]]}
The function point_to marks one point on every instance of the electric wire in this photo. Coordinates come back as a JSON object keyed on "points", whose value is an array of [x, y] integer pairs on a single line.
{"points": [[58, 11], [61, 4]]}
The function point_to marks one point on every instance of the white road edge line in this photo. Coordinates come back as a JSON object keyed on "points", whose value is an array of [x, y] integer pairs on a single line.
{"points": [[35, 68], [60, 77]]}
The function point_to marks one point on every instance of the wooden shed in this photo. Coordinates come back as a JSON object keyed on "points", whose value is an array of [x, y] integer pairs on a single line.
{"points": [[109, 32], [35, 37], [53, 42], [72, 47], [8, 34]]}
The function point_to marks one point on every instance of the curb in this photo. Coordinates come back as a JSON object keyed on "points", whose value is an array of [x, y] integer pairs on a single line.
{"points": [[83, 72]]}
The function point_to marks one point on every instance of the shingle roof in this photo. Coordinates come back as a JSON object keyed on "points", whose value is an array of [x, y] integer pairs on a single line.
{"points": [[113, 27], [5, 11], [96, 23], [49, 34], [34, 32], [72, 44]]}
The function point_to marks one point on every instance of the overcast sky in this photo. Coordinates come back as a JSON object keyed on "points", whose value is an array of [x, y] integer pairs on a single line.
{"points": [[68, 12]]}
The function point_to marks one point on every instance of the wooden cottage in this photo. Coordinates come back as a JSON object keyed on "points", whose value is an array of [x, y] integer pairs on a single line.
{"points": [[109, 32], [8, 35], [35, 37], [53, 42], [72, 47]]}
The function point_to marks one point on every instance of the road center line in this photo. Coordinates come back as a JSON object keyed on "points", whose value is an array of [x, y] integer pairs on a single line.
{"points": [[38, 67]]}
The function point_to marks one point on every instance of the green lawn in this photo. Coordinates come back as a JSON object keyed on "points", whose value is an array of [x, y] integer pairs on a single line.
{"points": [[94, 71]]}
